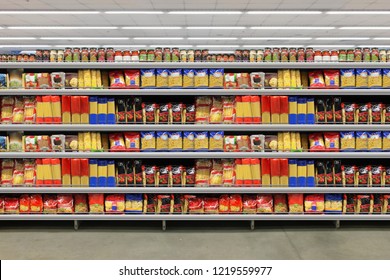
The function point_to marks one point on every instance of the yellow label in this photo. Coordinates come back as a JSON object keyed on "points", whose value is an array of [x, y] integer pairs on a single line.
{"points": [[93, 170], [76, 180], [266, 180], [66, 181], [84, 119], [75, 118], [84, 180], [66, 117], [93, 107], [266, 117]]}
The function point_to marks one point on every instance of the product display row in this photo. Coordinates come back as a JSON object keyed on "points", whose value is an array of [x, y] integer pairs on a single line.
{"points": [[196, 204], [197, 78], [276, 54], [219, 172]]}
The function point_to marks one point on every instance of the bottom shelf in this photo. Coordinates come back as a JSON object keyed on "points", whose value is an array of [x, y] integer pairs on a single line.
{"points": [[194, 217]]}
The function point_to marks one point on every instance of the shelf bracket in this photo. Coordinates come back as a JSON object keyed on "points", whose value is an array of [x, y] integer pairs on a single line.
{"points": [[336, 224], [252, 224], [164, 225], [76, 224]]}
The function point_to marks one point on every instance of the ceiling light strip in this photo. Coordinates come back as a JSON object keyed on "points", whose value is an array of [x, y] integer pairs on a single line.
{"points": [[358, 12], [205, 12], [18, 38], [84, 38], [152, 27], [212, 38], [60, 27], [284, 12], [292, 27], [365, 28], [49, 12], [134, 12], [342, 38], [215, 27], [158, 38], [276, 38]]}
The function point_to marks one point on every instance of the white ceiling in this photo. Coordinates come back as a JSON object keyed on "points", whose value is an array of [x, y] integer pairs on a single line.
{"points": [[120, 20]]}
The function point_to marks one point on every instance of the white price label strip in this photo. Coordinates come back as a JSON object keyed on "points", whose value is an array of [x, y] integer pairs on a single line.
{"points": [[121, 270]]}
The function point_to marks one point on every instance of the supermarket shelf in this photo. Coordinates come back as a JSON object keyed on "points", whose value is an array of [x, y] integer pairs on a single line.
{"points": [[227, 65], [195, 217], [195, 92], [199, 190], [194, 127], [197, 155]]}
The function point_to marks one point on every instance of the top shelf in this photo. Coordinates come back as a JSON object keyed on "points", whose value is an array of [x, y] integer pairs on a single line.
{"points": [[226, 65]]}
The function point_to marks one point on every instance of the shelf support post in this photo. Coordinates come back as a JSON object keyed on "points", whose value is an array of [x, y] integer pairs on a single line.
{"points": [[164, 225], [76, 224], [337, 224], [252, 224]]}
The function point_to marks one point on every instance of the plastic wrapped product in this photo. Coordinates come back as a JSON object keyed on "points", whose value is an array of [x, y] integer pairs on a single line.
{"points": [[202, 172], [280, 203], [202, 105], [116, 79], [175, 78], [377, 113], [363, 113], [332, 141], [148, 141], [175, 141], [364, 204], [386, 141], [15, 78], [347, 141], [216, 110], [80, 202], [132, 141], [164, 204], [375, 141], [189, 113], [148, 78], [116, 142], [162, 143], [150, 204], [377, 203], [211, 205], [265, 204], [235, 203], [361, 78], [201, 78], [385, 82], [3, 80], [361, 141], [11, 205], [188, 78], [332, 78], [314, 203], [230, 80], [257, 143], [201, 141], [333, 203], [50, 203], [377, 176], [363, 174], [249, 203], [386, 204], [134, 203], [132, 78], [347, 78], [175, 113], [316, 79], [58, 80], [216, 141], [65, 203], [224, 204], [295, 203], [316, 142], [348, 112], [115, 203], [374, 78], [243, 80], [349, 203], [216, 78], [257, 79], [188, 140]]}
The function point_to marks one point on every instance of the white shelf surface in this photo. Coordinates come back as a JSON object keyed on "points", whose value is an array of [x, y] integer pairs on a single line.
{"points": [[226, 65], [196, 92], [194, 127], [198, 190], [194, 217], [197, 155]]}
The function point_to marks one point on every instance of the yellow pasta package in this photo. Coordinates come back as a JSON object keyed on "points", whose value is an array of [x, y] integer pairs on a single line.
{"points": [[162, 78], [286, 78], [216, 78], [81, 78], [87, 78], [201, 78], [216, 110], [216, 141], [188, 78], [148, 78], [293, 79], [386, 78], [280, 141], [280, 79], [98, 79], [286, 141], [93, 79], [175, 78]]}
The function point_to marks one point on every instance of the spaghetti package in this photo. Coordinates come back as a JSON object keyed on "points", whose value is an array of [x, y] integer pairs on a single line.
{"points": [[202, 174], [116, 79], [316, 79], [216, 110], [228, 111]]}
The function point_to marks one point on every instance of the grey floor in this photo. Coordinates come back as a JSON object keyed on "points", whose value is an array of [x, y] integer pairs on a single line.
{"points": [[195, 241]]}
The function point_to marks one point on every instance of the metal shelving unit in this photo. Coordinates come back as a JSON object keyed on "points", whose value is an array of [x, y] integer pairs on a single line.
{"points": [[194, 127], [196, 92], [211, 155], [170, 65], [195, 190]]}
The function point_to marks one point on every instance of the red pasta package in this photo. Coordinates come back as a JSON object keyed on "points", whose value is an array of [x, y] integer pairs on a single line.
{"points": [[96, 202], [116, 142], [235, 203], [1, 204], [316, 79], [332, 141], [332, 78], [116, 79], [280, 203], [249, 204], [115, 203], [132, 78], [211, 205], [24, 203], [295, 203], [50, 203], [65, 203], [80, 202], [195, 204], [36, 203], [265, 203], [224, 203], [316, 142], [11, 205]]}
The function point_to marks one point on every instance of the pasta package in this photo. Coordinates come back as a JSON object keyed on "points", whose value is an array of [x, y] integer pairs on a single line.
{"points": [[316, 142], [386, 140], [216, 78], [175, 78], [201, 141], [162, 78], [361, 78], [133, 203], [243, 80], [374, 78], [175, 141], [316, 79], [216, 110], [230, 80], [228, 113], [148, 141], [333, 203], [115, 203], [202, 104], [295, 203], [361, 141], [216, 141], [386, 78], [201, 78], [162, 143], [374, 141], [132, 141], [347, 78], [332, 141], [188, 78], [314, 203], [15, 78], [116, 79], [148, 78], [347, 140], [332, 78], [202, 174], [132, 78], [116, 142], [188, 140]]}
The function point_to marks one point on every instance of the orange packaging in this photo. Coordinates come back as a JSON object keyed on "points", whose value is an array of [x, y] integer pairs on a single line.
{"points": [[284, 172], [84, 110], [256, 109], [66, 117], [246, 168], [266, 109], [47, 173], [39, 110], [266, 172], [239, 172], [256, 171], [65, 168], [75, 171], [247, 110], [284, 109], [275, 171], [47, 111], [275, 109], [84, 173], [239, 110], [56, 108], [56, 171], [75, 106]]}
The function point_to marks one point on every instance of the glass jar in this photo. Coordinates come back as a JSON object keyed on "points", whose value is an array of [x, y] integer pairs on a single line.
{"points": [[301, 55], [76, 55], [158, 55], [84, 55], [12, 58], [276, 54], [245, 55], [232, 58], [110, 55], [350, 55], [260, 56], [382, 55], [219, 58], [143, 55], [183, 55], [325, 56], [198, 56], [252, 56], [134, 56], [284, 55], [53, 56], [388, 55], [309, 55], [238, 54], [374, 55], [175, 57], [126, 56], [26, 57], [101, 55], [38, 54], [151, 56], [167, 57], [317, 56], [358, 55], [225, 58], [342, 55], [19, 58], [46, 56], [267, 55], [205, 52], [60, 56], [366, 55], [31, 58], [292, 55], [93, 55], [118, 57], [213, 58], [190, 55], [334, 56]]}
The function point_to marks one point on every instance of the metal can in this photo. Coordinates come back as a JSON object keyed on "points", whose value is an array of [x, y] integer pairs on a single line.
{"points": [[167, 57], [252, 56], [46, 56], [134, 56], [284, 55], [93, 55], [334, 56], [309, 55], [260, 56], [382, 55], [126, 56], [276, 54], [358, 55], [101, 55], [245, 55], [374, 55], [60, 56], [118, 56], [292, 55], [267, 55], [158, 55], [301, 55], [342, 55], [317, 56], [238, 54], [68, 57], [84, 55], [350, 55], [151, 56], [175, 57], [183, 55], [325, 56], [190, 56], [110, 55], [143, 55], [366, 55], [76, 55], [205, 53], [198, 56], [53, 56]]}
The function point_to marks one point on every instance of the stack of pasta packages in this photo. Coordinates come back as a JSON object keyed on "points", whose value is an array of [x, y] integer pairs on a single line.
{"points": [[18, 109]]}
